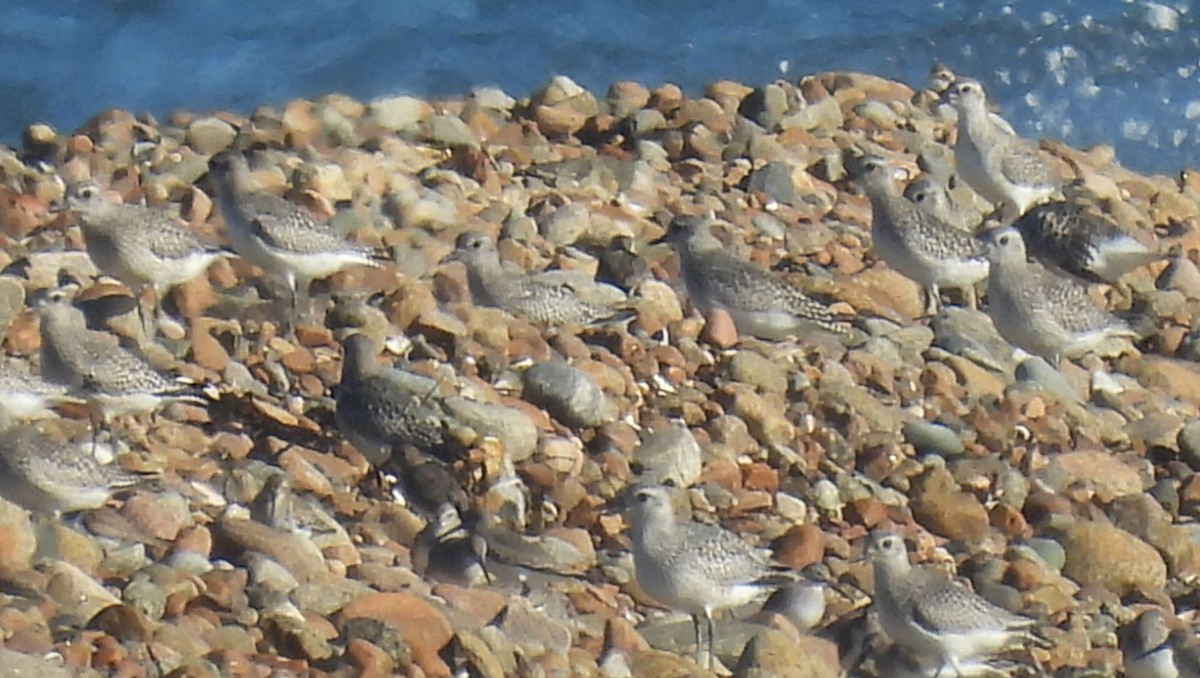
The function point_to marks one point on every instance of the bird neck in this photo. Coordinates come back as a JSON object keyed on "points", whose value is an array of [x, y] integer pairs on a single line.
{"points": [[653, 532]]}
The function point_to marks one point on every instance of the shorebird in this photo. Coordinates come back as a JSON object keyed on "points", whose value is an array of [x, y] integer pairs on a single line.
{"points": [[621, 266], [694, 567], [933, 616], [761, 303], [1082, 242], [1039, 311], [381, 409], [50, 475], [446, 550], [114, 380], [278, 236], [140, 246], [1151, 650], [519, 293], [27, 396], [1002, 167], [934, 198], [917, 243]]}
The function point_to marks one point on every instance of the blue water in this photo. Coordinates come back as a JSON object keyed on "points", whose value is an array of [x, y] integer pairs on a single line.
{"points": [[1123, 73]]}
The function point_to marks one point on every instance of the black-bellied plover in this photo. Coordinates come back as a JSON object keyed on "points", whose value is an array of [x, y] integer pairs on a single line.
{"points": [[933, 197], [27, 396], [114, 380], [694, 567], [381, 409], [761, 303], [1001, 166], [1081, 241], [139, 246], [914, 241], [1150, 649], [519, 293], [801, 602], [1040, 311], [47, 473], [278, 236], [933, 616], [620, 265], [447, 550]]}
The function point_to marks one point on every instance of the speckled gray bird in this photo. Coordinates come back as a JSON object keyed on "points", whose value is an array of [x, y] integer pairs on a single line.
{"points": [[914, 241], [46, 473], [278, 236], [931, 196], [91, 365], [761, 303], [139, 246], [1040, 311], [933, 616], [693, 567], [1082, 242], [1002, 167], [26, 396], [381, 409], [519, 293], [1150, 649]]}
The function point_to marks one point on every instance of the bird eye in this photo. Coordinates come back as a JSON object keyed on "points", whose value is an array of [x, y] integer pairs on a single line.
{"points": [[643, 497], [888, 543], [1003, 240]]}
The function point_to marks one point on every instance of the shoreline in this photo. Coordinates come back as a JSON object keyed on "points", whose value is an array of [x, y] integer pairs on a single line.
{"points": [[1074, 483]]}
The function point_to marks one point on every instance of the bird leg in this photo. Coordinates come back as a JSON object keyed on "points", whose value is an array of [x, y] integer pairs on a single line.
{"points": [[699, 644], [711, 640], [933, 300]]}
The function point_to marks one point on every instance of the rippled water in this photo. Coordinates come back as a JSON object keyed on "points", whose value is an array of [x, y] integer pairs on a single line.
{"points": [[1124, 73]]}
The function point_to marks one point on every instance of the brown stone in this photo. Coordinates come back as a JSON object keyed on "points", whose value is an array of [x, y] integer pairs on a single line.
{"points": [[424, 628]]}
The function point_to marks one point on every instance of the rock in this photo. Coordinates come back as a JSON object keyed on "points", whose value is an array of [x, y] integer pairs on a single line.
{"points": [[931, 438], [775, 181], [669, 453], [423, 628], [752, 368], [209, 136], [565, 225], [944, 509], [1109, 558], [568, 394], [775, 653], [512, 427]]}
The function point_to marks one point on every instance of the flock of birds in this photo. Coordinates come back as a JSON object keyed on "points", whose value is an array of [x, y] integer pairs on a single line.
{"points": [[1040, 304]]}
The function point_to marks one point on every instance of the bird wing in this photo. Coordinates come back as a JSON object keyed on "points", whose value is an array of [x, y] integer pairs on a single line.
{"points": [[283, 225], [1020, 164], [945, 606]]}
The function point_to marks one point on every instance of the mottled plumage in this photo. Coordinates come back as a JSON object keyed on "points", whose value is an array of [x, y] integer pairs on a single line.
{"points": [[761, 303], [380, 409], [138, 245], [1042, 312], [278, 236], [931, 615], [694, 567], [25, 396], [916, 242], [46, 473], [93, 366], [620, 266], [1001, 166], [1082, 242], [519, 293], [932, 197]]}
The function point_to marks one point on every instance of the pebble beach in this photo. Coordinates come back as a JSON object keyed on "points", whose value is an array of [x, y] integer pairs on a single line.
{"points": [[1065, 495]]}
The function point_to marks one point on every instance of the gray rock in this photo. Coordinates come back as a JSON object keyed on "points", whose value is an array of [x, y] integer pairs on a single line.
{"points": [[775, 180], [209, 136], [398, 113], [752, 368], [931, 438], [970, 334], [510, 426], [669, 453], [141, 593], [451, 132], [1189, 445], [1050, 551], [567, 394], [1040, 374], [826, 113]]}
